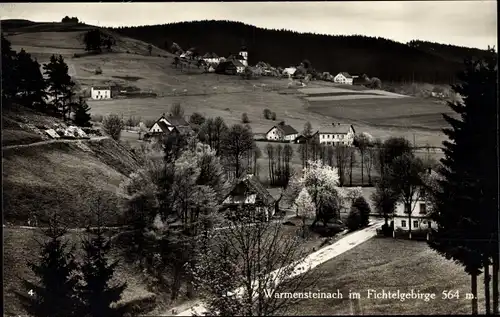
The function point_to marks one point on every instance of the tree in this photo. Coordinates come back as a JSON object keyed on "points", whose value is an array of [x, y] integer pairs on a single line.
{"points": [[466, 199], [150, 49], [369, 161], [60, 85], [352, 160], [96, 293], [235, 145], [212, 133], [197, 119], [364, 209], [273, 116], [244, 118], [342, 157], [113, 126], [176, 110], [354, 219], [384, 200], [54, 294], [267, 114], [392, 147], [362, 142], [305, 208], [82, 115], [245, 267], [9, 72], [30, 82], [307, 132]]}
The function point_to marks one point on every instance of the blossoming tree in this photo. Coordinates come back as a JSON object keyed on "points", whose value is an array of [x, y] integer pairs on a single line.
{"points": [[305, 208]]}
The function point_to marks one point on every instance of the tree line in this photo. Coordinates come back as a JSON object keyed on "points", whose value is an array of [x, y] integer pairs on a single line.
{"points": [[383, 58], [24, 84]]}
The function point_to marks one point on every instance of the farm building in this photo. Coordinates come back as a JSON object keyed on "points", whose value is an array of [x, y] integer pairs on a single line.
{"points": [[167, 124], [420, 214], [250, 195], [302, 138], [337, 134], [343, 78], [230, 67], [211, 58], [282, 132], [100, 92]]}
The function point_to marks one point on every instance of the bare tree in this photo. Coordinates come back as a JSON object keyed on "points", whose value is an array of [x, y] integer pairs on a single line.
{"points": [[369, 160], [113, 126], [176, 110], [342, 157], [352, 161], [235, 144], [247, 267]]}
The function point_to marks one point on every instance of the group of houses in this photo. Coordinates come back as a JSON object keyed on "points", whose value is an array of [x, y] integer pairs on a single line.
{"points": [[329, 134]]}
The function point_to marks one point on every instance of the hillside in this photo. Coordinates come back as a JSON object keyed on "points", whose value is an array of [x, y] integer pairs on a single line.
{"points": [[68, 176], [386, 59]]}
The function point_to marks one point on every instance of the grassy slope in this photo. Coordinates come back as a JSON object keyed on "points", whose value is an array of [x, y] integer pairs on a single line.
{"points": [[383, 264]]}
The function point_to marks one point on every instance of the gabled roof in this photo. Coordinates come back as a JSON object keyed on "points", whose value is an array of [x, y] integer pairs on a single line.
{"points": [[176, 121], [163, 126], [183, 129], [254, 184], [346, 75], [285, 128], [336, 128]]}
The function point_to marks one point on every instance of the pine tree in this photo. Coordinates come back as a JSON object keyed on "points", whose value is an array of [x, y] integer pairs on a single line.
{"points": [[31, 84], [60, 83], [96, 293], [9, 73], [466, 200], [55, 293], [82, 115]]}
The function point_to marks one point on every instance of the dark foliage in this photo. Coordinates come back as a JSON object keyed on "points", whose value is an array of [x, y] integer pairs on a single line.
{"points": [[67, 19], [354, 219], [385, 59], [60, 85], [96, 39], [82, 115], [364, 209]]}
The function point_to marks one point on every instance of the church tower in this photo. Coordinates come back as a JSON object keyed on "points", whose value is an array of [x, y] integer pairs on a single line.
{"points": [[244, 54]]}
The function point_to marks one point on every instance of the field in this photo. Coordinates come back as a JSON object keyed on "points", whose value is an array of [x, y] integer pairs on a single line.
{"points": [[390, 265]]}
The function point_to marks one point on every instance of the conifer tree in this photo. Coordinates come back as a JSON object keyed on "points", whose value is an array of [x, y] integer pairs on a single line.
{"points": [[82, 115], [466, 198], [31, 84], [59, 83], [54, 294], [9, 74], [96, 293]]}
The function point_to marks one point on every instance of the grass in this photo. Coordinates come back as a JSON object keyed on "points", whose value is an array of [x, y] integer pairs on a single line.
{"points": [[64, 177], [20, 246], [390, 265]]}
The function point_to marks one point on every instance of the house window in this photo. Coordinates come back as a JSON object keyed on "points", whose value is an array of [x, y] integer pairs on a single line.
{"points": [[415, 223], [407, 208], [423, 209], [403, 223]]}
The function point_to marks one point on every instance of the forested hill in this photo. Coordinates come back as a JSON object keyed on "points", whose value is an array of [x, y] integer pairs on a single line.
{"points": [[386, 59]]}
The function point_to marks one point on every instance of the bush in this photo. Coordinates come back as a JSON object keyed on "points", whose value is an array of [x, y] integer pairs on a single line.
{"points": [[364, 209], [196, 119], [353, 219], [273, 116], [113, 126], [244, 118], [267, 114], [98, 71]]}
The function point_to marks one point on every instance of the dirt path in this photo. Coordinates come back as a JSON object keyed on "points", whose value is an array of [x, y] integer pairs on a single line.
{"points": [[9, 147], [311, 261]]}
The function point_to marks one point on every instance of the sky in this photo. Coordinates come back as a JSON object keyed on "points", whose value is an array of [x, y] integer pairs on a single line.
{"points": [[464, 23]]}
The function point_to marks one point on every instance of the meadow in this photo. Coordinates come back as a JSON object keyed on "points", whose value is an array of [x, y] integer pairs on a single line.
{"points": [[383, 264]]}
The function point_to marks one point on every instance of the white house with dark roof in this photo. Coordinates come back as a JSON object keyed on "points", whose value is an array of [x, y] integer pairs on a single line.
{"points": [[343, 78], [282, 132], [100, 92], [169, 124], [336, 134]]}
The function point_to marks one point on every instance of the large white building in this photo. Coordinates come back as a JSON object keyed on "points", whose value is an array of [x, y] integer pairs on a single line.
{"points": [[343, 78], [282, 132], [100, 92], [420, 210], [336, 134], [244, 54]]}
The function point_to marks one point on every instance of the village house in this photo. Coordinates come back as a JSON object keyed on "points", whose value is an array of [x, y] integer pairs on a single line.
{"points": [[230, 67], [302, 138], [166, 125], [248, 195], [289, 72], [420, 214], [211, 58], [336, 134], [100, 92], [343, 78], [282, 132]]}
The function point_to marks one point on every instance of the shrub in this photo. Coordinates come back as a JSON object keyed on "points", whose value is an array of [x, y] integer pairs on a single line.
{"points": [[353, 219], [273, 116], [113, 126], [364, 209], [98, 71], [196, 119], [244, 118], [267, 114]]}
